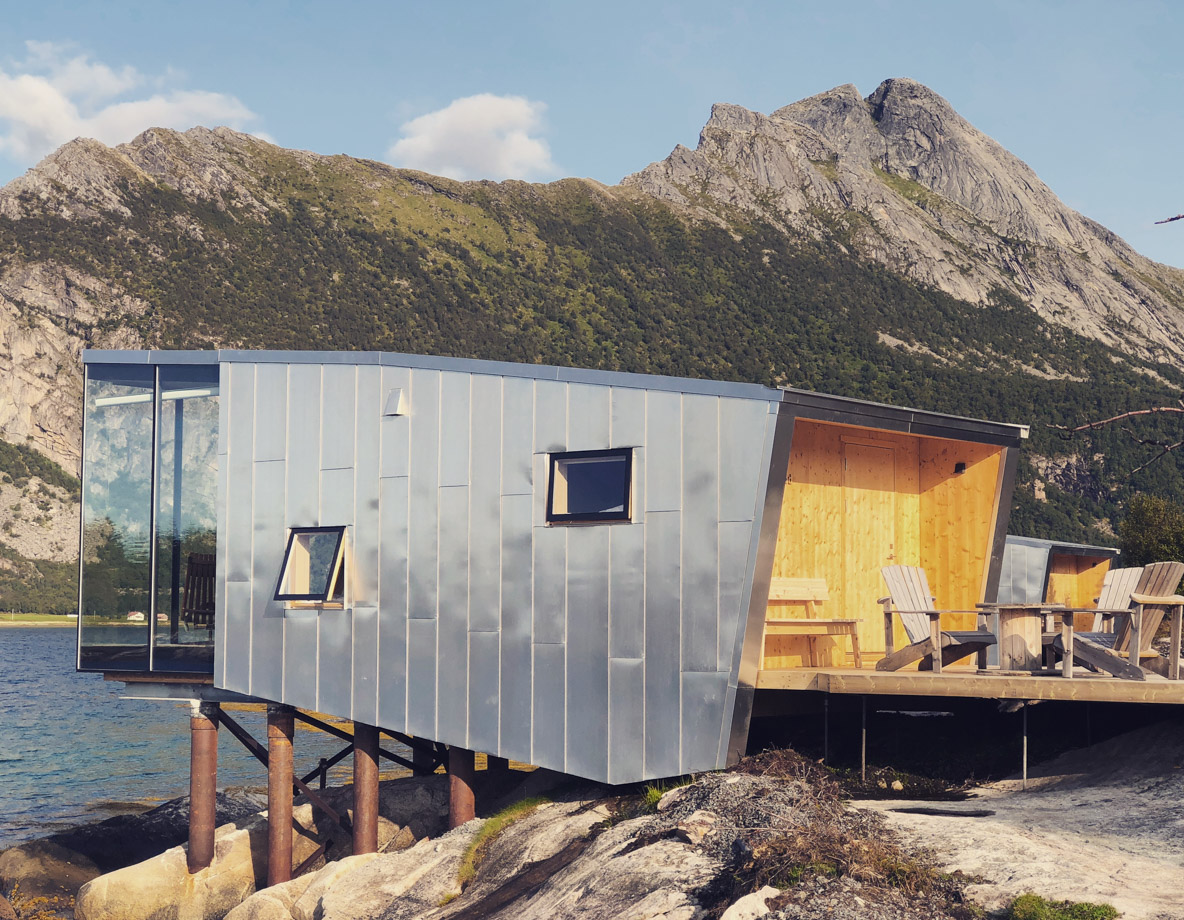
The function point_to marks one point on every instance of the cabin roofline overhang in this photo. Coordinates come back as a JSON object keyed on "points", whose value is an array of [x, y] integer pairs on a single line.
{"points": [[437, 363], [844, 410], [802, 403], [1067, 549]]}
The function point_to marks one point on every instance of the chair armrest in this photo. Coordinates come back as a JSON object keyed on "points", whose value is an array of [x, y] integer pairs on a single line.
{"points": [[1169, 600]]}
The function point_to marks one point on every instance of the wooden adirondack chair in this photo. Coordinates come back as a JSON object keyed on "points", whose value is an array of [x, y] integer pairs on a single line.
{"points": [[1117, 587], [1134, 622], [909, 594], [197, 598]]}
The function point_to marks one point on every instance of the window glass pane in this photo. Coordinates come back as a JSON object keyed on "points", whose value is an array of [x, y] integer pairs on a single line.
{"points": [[186, 493], [312, 566], [595, 485], [322, 554], [116, 518], [590, 486]]}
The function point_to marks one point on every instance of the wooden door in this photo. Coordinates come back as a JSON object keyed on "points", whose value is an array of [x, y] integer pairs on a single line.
{"points": [[869, 532]]}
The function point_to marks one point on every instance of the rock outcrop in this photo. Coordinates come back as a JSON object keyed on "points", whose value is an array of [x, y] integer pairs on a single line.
{"points": [[44, 869], [58, 865], [901, 178], [161, 887]]}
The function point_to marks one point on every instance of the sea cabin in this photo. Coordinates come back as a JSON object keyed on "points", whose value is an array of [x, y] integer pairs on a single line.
{"points": [[563, 567]]}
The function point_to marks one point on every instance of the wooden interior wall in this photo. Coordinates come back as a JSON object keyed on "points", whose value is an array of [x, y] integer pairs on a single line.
{"points": [[958, 513], [1076, 581], [816, 539], [857, 499]]}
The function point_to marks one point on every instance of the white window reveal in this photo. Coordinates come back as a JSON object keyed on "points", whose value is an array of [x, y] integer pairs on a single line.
{"points": [[314, 567], [590, 486]]}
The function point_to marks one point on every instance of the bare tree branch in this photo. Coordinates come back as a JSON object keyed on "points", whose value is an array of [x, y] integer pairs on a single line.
{"points": [[1170, 219], [1089, 426], [1167, 450]]}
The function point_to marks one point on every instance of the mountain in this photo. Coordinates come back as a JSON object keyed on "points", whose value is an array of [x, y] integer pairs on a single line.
{"points": [[879, 248], [902, 179]]}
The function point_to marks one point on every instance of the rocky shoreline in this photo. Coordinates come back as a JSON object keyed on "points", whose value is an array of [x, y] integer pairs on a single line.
{"points": [[775, 837], [576, 850]]}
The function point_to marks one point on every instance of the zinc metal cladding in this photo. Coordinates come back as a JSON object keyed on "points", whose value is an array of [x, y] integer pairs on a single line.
{"points": [[603, 650]]}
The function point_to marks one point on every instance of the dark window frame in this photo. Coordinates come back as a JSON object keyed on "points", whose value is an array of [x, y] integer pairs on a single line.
{"points": [[323, 597], [591, 517]]}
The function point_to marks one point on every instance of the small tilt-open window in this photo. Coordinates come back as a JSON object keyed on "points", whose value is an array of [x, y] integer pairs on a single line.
{"points": [[589, 486], [313, 571]]}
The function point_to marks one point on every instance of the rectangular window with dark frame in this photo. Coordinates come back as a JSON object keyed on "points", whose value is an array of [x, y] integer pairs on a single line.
{"points": [[314, 566], [590, 486]]}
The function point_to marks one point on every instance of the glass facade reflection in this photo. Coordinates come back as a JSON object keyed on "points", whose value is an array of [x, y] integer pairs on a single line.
{"points": [[148, 518]]}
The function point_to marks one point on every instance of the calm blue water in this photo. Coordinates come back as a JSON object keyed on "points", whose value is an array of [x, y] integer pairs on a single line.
{"points": [[72, 752]]}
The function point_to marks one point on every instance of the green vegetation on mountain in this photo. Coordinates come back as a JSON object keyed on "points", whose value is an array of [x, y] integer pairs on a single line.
{"points": [[354, 255], [36, 585], [19, 463]]}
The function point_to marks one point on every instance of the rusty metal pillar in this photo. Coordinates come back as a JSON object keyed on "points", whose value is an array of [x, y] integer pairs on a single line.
{"points": [[462, 804], [497, 765], [365, 788], [203, 784], [280, 724]]}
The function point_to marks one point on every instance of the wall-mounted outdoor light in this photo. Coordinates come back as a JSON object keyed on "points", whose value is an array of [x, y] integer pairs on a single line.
{"points": [[396, 402]]}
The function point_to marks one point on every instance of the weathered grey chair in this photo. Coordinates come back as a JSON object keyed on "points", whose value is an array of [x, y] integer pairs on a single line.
{"points": [[909, 594], [1120, 650], [1117, 587]]}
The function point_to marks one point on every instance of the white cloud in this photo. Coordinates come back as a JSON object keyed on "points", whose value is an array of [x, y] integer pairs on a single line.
{"points": [[57, 94], [478, 137]]}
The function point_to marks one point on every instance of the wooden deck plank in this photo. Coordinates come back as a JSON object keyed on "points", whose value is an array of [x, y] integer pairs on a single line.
{"points": [[973, 684]]}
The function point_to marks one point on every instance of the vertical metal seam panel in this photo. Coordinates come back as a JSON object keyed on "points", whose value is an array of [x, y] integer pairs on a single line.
{"points": [[1003, 494], [758, 571]]}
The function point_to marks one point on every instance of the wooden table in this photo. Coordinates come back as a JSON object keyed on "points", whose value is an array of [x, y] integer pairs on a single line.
{"points": [[1021, 627]]}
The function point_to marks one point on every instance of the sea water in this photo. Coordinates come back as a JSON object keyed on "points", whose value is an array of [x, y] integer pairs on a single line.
{"points": [[72, 751]]}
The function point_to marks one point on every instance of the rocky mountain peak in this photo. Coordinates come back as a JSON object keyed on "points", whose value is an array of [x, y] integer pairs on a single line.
{"points": [[905, 180], [85, 176]]}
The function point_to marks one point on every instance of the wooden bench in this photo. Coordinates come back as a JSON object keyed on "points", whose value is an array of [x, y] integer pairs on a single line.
{"points": [[810, 593]]}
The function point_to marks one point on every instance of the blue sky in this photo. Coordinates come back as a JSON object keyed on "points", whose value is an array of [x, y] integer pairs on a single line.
{"points": [[1088, 93]]}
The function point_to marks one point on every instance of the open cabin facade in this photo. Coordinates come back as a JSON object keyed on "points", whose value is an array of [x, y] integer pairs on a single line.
{"points": [[588, 571]]}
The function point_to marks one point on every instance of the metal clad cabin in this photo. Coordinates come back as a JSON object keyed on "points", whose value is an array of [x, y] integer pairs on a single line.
{"points": [[563, 567], [1054, 572]]}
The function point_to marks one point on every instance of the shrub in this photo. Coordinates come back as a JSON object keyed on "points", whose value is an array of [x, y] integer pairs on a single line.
{"points": [[1033, 907]]}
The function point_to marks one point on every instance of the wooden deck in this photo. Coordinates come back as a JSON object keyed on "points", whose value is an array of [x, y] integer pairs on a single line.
{"points": [[1012, 685]]}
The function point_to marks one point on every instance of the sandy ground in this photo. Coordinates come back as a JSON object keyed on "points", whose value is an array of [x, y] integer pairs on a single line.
{"points": [[1104, 823]]}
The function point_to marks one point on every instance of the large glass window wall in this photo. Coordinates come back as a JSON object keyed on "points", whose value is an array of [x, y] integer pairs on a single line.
{"points": [[148, 518]]}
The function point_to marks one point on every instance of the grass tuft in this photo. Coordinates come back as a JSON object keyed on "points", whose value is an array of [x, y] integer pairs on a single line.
{"points": [[1033, 907], [475, 852]]}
